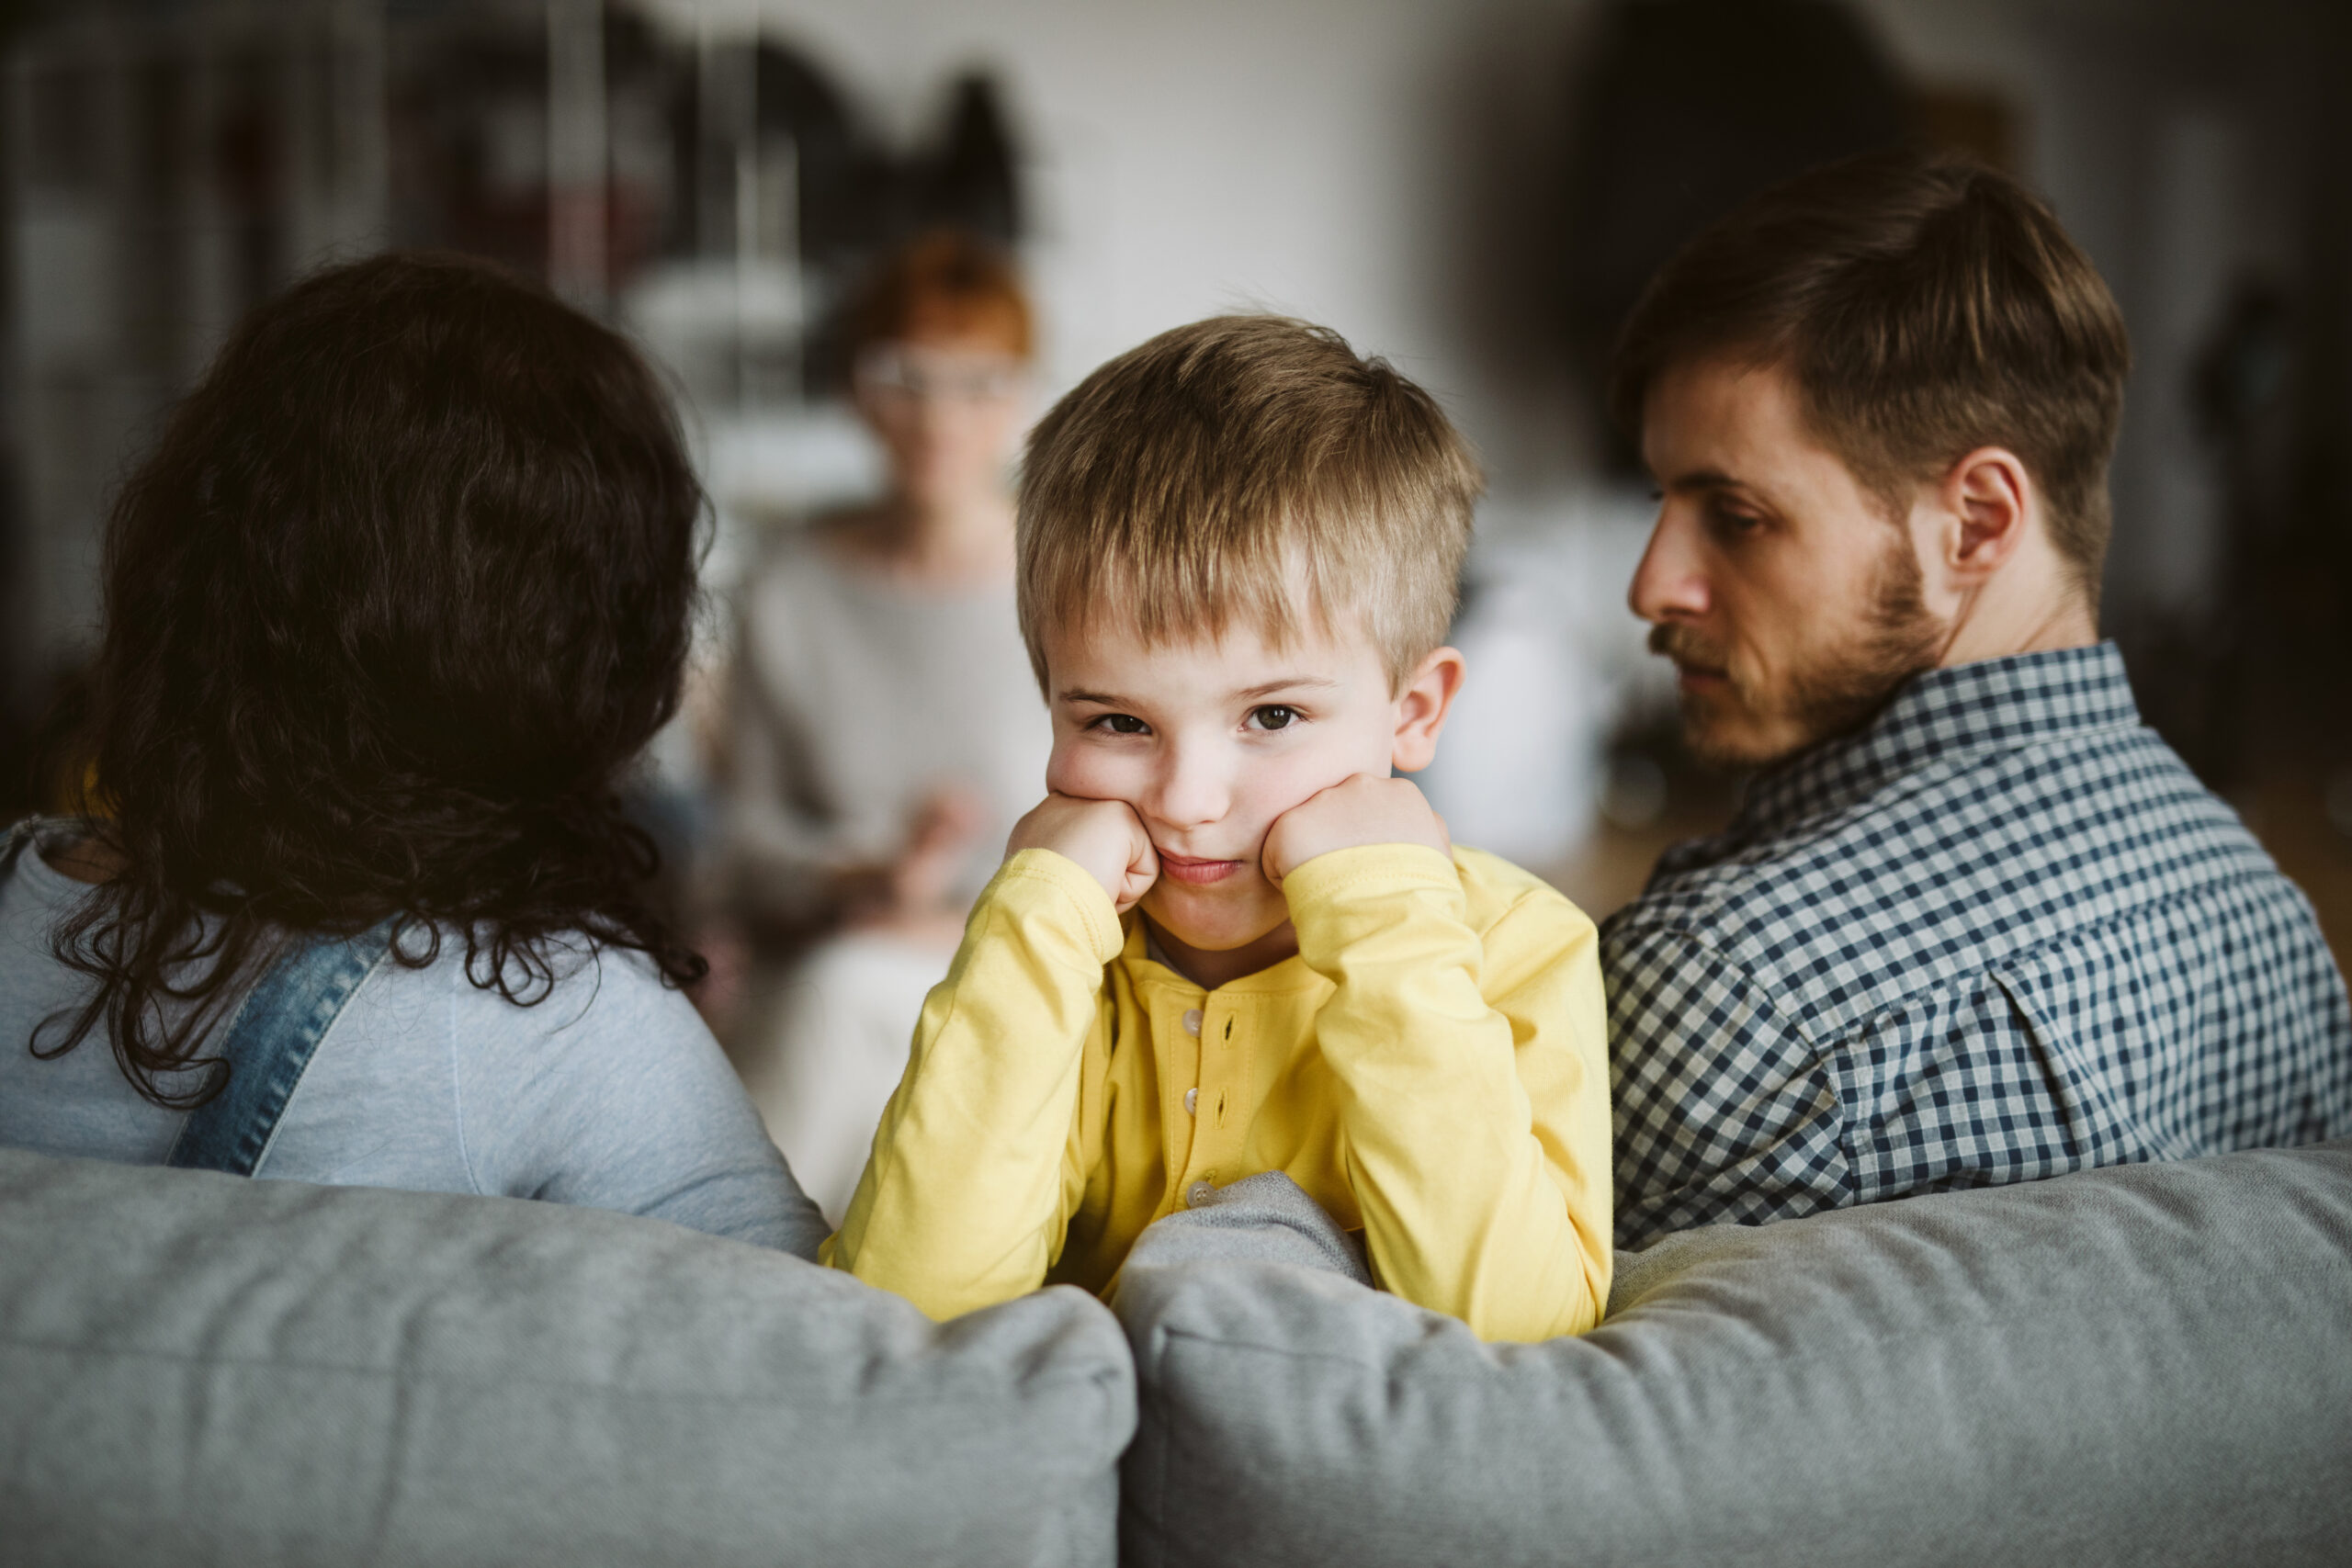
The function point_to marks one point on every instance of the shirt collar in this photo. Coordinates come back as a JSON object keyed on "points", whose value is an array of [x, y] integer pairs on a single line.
{"points": [[1292, 975], [1994, 704]]}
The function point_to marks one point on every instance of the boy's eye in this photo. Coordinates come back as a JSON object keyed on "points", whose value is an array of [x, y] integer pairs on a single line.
{"points": [[1274, 716], [1119, 724]]}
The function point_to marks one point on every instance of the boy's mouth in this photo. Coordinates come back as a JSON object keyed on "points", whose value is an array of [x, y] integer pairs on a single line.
{"points": [[1197, 872]]}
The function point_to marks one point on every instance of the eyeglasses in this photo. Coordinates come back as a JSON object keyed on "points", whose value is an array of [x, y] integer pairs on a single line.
{"points": [[910, 371]]}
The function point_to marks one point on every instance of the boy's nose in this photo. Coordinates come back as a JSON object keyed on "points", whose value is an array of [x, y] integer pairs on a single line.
{"points": [[1191, 791], [1670, 583]]}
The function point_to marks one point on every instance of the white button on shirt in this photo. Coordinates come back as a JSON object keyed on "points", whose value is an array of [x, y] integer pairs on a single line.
{"points": [[1191, 1102], [1192, 1021], [1198, 1194]]}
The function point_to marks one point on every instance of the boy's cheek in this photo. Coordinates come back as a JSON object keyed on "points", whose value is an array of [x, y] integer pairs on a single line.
{"points": [[1071, 771], [1301, 791]]}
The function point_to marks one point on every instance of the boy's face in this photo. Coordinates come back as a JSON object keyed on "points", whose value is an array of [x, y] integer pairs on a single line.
{"points": [[1209, 741]]}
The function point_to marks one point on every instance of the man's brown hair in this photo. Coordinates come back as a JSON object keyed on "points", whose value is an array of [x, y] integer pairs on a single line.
{"points": [[1924, 306], [1246, 467]]}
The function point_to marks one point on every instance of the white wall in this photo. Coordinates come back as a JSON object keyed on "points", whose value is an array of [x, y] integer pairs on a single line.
{"points": [[1303, 155]]}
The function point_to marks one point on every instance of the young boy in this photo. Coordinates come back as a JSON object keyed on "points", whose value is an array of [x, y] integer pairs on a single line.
{"points": [[1229, 942]]}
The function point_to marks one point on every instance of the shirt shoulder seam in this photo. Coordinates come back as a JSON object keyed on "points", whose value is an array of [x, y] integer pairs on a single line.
{"points": [[1724, 963]]}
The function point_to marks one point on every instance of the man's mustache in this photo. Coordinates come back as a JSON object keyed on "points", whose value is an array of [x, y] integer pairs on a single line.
{"points": [[1684, 646]]}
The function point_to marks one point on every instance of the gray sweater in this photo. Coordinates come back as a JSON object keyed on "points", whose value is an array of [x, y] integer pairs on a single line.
{"points": [[853, 698], [609, 1094]]}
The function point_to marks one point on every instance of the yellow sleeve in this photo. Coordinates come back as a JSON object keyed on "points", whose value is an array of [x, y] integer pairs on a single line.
{"points": [[979, 1162], [1474, 1083]]}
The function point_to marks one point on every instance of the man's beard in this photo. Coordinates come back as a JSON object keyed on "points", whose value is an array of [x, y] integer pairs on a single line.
{"points": [[1839, 692]]}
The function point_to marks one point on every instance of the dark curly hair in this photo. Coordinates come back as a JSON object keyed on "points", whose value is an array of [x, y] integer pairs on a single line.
{"points": [[407, 584]]}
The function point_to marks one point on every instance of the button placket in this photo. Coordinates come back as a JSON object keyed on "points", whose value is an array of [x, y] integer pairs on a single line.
{"points": [[1213, 1075], [1203, 1065], [1226, 1068], [1180, 1049], [1212, 1071]]}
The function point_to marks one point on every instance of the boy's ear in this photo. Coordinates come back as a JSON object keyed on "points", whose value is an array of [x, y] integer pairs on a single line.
{"points": [[1421, 705]]}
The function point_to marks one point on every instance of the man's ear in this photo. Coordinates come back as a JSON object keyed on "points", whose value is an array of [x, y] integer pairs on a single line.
{"points": [[1421, 705], [1987, 498]]}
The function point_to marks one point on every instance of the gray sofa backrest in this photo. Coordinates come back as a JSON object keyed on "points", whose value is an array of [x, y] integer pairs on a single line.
{"points": [[2150, 1364], [198, 1369]]}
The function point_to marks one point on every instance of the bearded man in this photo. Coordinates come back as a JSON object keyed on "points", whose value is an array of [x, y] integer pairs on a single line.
{"points": [[1974, 922]]}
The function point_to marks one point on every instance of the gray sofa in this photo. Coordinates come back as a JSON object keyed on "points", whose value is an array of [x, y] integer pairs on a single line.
{"points": [[2149, 1365], [200, 1369], [2145, 1365]]}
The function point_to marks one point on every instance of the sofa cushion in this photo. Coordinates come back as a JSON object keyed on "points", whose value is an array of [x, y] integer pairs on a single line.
{"points": [[200, 1369], [2149, 1364]]}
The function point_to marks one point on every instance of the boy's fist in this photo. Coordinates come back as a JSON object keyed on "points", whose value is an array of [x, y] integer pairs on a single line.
{"points": [[1357, 811], [1106, 837]]}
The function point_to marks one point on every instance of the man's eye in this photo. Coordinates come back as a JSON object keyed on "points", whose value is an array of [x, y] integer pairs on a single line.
{"points": [[1274, 716], [1728, 519], [1119, 724]]}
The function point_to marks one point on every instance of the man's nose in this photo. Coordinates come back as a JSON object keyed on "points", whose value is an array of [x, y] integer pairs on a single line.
{"points": [[1190, 789], [1671, 583]]}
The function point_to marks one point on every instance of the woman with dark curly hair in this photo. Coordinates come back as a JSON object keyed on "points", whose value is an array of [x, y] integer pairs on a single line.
{"points": [[396, 602]]}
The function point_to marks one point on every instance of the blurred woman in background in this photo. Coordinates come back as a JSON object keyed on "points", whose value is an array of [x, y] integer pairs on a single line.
{"points": [[390, 611], [886, 727]]}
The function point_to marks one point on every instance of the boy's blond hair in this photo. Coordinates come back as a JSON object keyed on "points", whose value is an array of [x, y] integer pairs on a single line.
{"points": [[1244, 467]]}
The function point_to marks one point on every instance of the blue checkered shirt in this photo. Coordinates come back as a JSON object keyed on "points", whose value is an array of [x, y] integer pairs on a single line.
{"points": [[2001, 933]]}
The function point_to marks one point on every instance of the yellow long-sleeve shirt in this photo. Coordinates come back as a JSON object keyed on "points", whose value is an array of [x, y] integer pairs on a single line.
{"points": [[1431, 1068]]}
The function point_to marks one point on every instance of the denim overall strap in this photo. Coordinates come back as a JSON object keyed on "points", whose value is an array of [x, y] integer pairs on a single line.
{"points": [[19, 837], [269, 1045]]}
